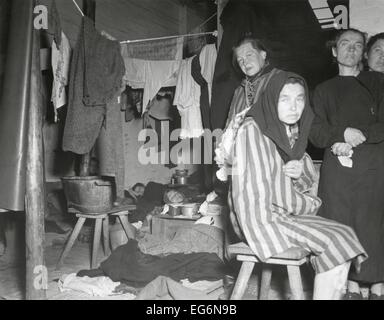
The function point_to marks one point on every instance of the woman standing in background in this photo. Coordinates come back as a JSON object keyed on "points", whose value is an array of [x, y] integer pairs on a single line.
{"points": [[349, 124], [375, 53]]}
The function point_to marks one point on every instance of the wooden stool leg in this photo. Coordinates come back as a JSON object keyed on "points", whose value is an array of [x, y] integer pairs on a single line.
{"points": [[71, 241], [128, 228], [106, 247], [266, 275], [295, 282], [242, 280], [96, 242]]}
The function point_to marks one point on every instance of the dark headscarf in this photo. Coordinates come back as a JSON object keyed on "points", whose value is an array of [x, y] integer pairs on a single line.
{"points": [[264, 112]]}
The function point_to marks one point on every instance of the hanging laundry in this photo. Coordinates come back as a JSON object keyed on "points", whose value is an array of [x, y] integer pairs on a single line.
{"points": [[160, 107], [207, 170], [187, 100], [150, 75], [207, 57], [167, 49], [54, 23], [96, 75], [129, 101], [110, 148], [60, 58]]}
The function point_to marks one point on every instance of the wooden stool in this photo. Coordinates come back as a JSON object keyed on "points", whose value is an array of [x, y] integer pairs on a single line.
{"points": [[101, 221], [292, 258]]}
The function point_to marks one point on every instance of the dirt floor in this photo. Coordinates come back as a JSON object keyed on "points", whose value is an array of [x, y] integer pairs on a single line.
{"points": [[12, 274]]}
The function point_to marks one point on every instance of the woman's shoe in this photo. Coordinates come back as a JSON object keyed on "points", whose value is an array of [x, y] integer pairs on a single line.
{"points": [[353, 296]]}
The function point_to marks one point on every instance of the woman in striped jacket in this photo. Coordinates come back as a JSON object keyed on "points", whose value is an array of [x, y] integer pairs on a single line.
{"points": [[272, 198]]}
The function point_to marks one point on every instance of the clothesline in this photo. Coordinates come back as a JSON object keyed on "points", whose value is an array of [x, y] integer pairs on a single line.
{"points": [[78, 8], [214, 33]]}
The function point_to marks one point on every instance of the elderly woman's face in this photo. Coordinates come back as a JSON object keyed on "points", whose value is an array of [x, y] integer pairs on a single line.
{"points": [[376, 56], [291, 103], [249, 59], [349, 49]]}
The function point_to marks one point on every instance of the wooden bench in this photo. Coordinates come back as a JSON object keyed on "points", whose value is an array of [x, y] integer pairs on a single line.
{"points": [[292, 258]]}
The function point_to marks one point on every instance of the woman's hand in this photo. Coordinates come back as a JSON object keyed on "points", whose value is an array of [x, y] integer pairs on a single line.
{"points": [[341, 149], [294, 169], [354, 137]]}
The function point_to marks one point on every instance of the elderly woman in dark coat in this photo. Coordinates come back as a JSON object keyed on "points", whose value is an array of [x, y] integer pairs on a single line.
{"points": [[349, 125]]}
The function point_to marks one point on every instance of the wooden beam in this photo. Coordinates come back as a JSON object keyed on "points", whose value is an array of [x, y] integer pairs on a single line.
{"points": [[220, 7], [183, 16], [89, 9], [36, 272]]}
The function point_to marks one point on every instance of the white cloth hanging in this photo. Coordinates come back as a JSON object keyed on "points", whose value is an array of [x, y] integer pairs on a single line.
{"points": [[208, 56], [187, 100], [151, 75], [60, 61]]}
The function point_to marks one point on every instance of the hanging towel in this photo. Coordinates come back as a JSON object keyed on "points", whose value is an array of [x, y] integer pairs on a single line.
{"points": [[96, 75], [110, 146], [150, 75], [60, 58], [187, 100], [167, 49], [207, 59]]}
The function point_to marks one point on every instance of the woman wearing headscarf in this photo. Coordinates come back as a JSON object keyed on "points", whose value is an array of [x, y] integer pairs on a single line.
{"points": [[272, 196], [349, 125]]}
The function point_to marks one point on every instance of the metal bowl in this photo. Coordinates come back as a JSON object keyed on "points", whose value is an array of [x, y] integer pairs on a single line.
{"points": [[189, 209], [181, 180], [174, 210], [181, 172]]}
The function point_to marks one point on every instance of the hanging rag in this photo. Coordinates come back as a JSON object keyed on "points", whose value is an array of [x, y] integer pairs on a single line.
{"points": [[149, 75], [96, 75], [60, 60], [54, 23], [187, 100], [166, 49], [110, 146], [202, 70]]}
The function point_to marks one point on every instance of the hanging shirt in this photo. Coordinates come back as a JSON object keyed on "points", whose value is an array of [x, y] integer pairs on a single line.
{"points": [[149, 74], [187, 100], [207, 58], [60, 66]]}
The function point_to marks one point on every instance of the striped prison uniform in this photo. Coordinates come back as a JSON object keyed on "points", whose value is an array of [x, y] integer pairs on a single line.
{"points": [[274, 212]]}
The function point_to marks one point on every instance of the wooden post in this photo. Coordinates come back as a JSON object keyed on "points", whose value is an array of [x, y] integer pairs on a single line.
{"points": [[89, 10], [220, 6], [36, 272]]}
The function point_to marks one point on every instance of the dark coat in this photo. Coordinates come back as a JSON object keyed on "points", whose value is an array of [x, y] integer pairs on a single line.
{"points": [[354, 196]]}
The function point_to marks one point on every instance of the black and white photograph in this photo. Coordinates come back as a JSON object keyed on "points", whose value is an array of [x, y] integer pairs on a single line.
{"points": [[211, 151]]}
